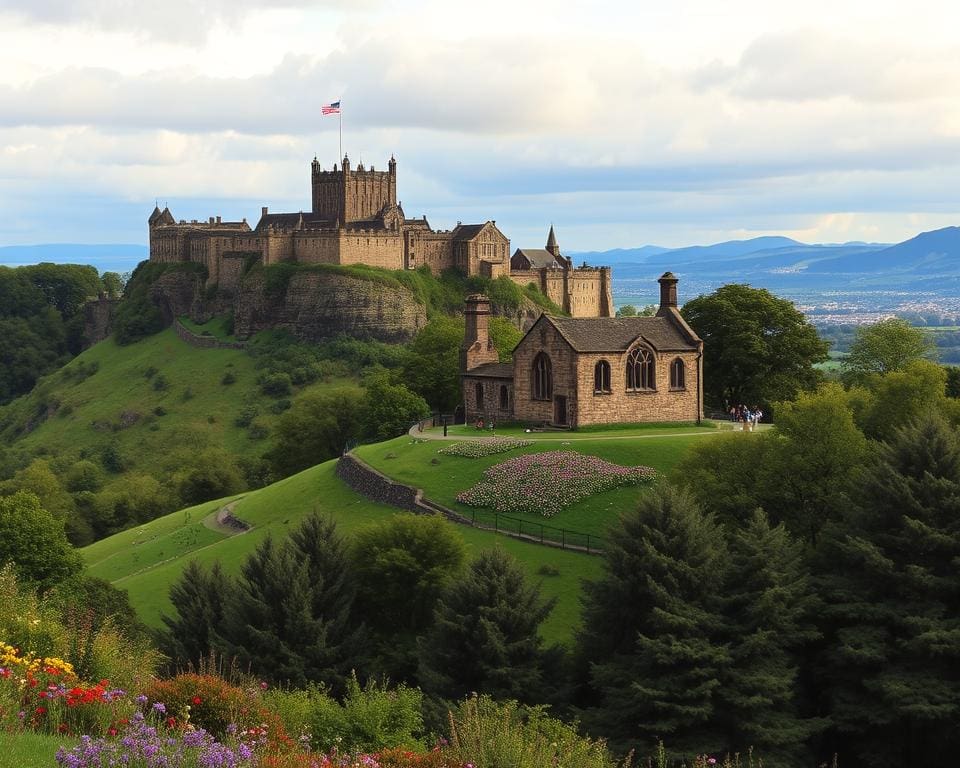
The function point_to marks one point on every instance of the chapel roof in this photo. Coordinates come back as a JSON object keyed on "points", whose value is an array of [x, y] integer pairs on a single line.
{"points": [[291, 220], [617, 334], [538, 258], [492, 371]]}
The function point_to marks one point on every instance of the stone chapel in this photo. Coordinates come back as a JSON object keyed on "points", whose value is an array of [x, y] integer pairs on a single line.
{"points": [[572, 371]]}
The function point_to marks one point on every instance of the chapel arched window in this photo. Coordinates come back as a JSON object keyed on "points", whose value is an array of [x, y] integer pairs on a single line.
{"points": [[678, 374], [542, 379], [601, 377], [640, 371]]}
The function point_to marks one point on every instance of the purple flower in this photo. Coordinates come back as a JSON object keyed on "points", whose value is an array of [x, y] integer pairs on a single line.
{"points": [[159, 707]]}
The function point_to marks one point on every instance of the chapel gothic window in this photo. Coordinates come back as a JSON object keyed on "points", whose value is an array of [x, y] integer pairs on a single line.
{"points": [[542, 378], [640, 370], [504, 398], [478, 394], [601, 377], [677, 375]]}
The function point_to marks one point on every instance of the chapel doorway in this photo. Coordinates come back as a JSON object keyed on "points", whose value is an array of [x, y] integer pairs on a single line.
{"points": [[560, 410]]}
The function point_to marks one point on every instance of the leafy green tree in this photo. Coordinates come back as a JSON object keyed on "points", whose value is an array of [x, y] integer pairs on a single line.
{"points": [[485, 634], [653, 635], [39, 479], [134, 498], [213, 475], [758, 348], [317, 427], [903, 396], [112, 284], [953, 381], [627, 310], [34, 541], [432, 368], [886, 346], [769, 610], [403, 565], [84, 475], [390, 408], [505, 336], [198, 597], [891, 596], [97, 602]]}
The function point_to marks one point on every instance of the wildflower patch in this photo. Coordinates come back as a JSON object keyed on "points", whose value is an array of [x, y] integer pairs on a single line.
{"points": [[488, 446], [545, 483]]}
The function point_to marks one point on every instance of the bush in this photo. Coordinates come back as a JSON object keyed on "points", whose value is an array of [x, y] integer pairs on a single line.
{"points": [[246, 415], [277, 384], [228, 378], [280, 406], [160, 382], [159, 411]]}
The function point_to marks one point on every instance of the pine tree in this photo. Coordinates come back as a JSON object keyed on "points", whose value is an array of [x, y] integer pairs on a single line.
{"points": [[485, 636], [652, 628], [893, 605], [769, 608], [198, 597]]}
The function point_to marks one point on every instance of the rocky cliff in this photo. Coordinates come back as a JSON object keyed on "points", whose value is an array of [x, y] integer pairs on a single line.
{"points": [[319, 305]]}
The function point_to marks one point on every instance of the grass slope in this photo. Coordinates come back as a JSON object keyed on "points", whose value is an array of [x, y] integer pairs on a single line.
{"points": [[146, 560], [69, 415], [412, 462], [31, 750]]}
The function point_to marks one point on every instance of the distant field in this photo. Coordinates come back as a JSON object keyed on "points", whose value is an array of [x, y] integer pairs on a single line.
{"points": [[147, 560]]}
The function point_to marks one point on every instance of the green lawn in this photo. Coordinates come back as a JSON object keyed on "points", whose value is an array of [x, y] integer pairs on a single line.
{"points": [[218, 327], [412, 462], [147, 560], [30, 750], [611, 431]]}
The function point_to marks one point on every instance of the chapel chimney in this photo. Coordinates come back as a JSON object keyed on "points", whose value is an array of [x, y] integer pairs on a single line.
{"points": [[668, 292], [477, 348]]}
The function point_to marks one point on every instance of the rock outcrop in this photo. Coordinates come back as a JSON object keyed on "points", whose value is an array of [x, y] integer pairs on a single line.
{"points": [[97, 320], [318, 305]]}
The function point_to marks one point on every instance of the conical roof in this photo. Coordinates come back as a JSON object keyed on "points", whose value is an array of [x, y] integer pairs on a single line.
{"points": [[551, 239]]}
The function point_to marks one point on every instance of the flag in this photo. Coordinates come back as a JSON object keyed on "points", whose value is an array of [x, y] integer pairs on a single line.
{"points": [[331, 109]]}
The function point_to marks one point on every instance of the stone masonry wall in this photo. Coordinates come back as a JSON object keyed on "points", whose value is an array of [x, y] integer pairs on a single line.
{"points": [[374, 249], [366, 481], [544, 337]]}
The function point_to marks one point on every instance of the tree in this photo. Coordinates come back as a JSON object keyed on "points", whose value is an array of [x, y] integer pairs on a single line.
{"points": [[884, 347], [390, 408], [505, 336], [112, 284], [432, 369], [35, 542], [626, 310], [769, 611], [891, 596], [758, 348], [212, 475], [403, 565], [653, 636], [903, 396], [485, 634], [318, 427], [289, 617], [198, 597]]}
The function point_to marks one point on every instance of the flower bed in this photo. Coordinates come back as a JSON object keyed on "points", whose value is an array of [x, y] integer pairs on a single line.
{"points": [[487, 446], [545, 483]]}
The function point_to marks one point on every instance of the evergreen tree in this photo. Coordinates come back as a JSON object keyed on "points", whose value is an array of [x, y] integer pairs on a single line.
{"points": [[652, 627], [893, 605], [198, 597], [289, 617], [769, 609], [485, 635]]}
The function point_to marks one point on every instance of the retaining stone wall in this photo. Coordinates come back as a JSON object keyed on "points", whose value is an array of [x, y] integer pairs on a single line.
{"points": [[203, 342]]}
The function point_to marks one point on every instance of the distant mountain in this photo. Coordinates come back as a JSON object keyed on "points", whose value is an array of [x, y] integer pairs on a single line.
{"points": [[106, 258], [618, 255], [654, 254], [928, 254]]}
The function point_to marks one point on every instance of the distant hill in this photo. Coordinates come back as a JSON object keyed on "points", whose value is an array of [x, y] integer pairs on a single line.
{"points": [[928, 254], [106, 258]]}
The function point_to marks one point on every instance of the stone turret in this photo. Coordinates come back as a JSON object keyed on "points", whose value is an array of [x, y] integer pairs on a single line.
{"points": [[477, 347], [552, 246]]}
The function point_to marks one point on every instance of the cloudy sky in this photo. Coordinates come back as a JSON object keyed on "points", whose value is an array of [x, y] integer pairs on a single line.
{"points": [[623, 123]]}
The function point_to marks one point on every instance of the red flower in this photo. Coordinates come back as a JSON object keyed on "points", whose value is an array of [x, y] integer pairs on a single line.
{"points": [[197, 700], [111, 731], [62, 728], [40, 710], [171, 722]]}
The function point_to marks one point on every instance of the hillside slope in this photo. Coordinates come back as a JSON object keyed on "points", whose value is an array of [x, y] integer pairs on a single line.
{"points": [[146, 560]]}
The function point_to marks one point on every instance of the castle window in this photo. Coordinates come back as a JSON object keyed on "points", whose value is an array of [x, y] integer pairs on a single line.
{"points": [[677, 375], [478, 394], [640, 370], [542, 378], [601, 377], [504, 398]]}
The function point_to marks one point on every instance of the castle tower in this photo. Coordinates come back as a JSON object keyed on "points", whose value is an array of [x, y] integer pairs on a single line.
{"points": [[477, 347], [552, 246], [350, 195]]}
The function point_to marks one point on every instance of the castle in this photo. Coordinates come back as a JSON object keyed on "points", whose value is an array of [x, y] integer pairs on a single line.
{"points": [[355, 218]]}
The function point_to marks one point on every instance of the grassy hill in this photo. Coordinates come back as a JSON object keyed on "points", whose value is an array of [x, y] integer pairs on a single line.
{"points": [[147, 559]]}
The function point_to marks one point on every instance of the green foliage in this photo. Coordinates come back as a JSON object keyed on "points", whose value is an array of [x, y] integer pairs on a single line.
{"points": [[133, 498], [112, 284], [35, 542], [883, 347], [137, 316], [390, 408], [369, 719], [769, 610], [228, 378], [432, 369], [629, 310], [276, 385], [84, 475], [212, 475], [758, 348], [197, 596], [289, 616], [318, 427], [654, 627], [402, 566], [485, 634], [505, 336], [485, 732], [889, 603], [903, 396]]}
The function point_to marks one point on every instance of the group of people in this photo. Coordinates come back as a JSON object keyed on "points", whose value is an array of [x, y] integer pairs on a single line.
{"points": [[746, 417]]}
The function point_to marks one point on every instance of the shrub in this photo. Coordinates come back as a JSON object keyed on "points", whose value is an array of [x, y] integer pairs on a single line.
{"points": [[258, 430], [246, 415], [150, 372], [280, 406], [228, 378], [160, 382], [277, 385], [159, 411]]}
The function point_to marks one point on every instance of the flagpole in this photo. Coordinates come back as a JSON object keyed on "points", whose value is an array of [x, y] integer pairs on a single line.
{"points": [[340, 122]]}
